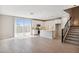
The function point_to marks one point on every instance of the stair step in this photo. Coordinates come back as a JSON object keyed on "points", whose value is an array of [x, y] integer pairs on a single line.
{"points": [[74, 29], [74, 32], [73, 36], [72, 42]]}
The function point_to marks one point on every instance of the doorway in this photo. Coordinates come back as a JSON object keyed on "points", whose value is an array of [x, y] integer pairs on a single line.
{"points": [[23, 27], [57, 31]]}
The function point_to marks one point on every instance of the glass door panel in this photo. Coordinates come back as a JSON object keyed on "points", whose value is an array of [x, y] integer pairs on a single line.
{"points": [[23, 27]]}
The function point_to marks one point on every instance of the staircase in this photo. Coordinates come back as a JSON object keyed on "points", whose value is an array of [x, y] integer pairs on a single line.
{"points": [[73, 36], [70, 32]]}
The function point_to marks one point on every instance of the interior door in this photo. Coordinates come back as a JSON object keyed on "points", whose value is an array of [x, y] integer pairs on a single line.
{"points": [[57, 31]]}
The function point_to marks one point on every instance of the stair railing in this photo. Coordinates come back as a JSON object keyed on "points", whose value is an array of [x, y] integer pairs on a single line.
{"points": [[65, 30]]}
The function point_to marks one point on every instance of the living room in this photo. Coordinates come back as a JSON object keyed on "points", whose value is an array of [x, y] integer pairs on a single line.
{"points": [[36, 26]]}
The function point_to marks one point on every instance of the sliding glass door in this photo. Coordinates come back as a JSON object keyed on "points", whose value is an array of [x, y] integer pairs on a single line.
{"points": [[23, 27]]}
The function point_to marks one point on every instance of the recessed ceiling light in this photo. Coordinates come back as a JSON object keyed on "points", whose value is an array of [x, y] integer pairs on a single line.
{"points": [[31, 13]]}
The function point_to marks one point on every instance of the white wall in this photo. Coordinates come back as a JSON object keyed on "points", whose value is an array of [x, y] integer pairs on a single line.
{"points": [[6, 27], [35, 22], [50, 25], [64, 20]]}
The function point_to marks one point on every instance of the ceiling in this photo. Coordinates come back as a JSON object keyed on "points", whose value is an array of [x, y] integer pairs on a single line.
{"points": [[43, 12]]}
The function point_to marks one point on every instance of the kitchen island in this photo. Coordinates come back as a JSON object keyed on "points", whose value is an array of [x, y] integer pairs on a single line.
{"points": [[46, 34]]}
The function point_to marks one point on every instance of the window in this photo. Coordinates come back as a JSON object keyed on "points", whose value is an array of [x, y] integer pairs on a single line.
{"points": [[23, 26]]}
